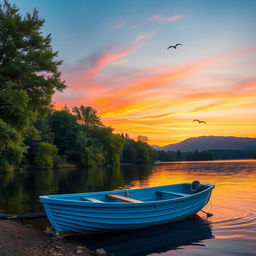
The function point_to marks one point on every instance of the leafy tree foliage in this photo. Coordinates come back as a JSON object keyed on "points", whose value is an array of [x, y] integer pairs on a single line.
{"points": [[10, 147], [142, 139], [87, 116], [93, 146], [26, 57], [65, 129], [137, 152], [129, 152], [29, 77], [45, 154], [15, 119], [166, 156], [112, 143]]}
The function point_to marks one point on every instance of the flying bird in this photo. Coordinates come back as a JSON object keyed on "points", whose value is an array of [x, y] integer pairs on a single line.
{"points": [[173, 46], [199, 121]]}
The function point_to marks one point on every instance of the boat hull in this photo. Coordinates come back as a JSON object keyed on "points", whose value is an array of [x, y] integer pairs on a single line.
{"points": [[82, 216]]}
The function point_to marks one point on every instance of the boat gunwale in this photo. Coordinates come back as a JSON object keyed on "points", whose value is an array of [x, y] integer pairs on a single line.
{"points": [[51, 199]]}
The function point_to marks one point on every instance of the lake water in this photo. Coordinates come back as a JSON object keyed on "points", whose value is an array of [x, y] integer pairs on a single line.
{"points": [[230, 231]]}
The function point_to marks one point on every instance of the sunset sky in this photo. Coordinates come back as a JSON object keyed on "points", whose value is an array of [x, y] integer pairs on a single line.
{"points": [[116, 60]]}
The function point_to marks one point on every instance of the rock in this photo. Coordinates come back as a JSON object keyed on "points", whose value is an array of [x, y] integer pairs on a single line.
{"points": [[100, 252], [79, 251], [56, 237], [48, 230]]}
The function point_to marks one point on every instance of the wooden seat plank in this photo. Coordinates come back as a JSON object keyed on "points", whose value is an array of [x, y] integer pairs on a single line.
{"points": [[122, 198]]}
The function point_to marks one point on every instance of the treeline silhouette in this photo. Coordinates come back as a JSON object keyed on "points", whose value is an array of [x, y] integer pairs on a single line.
{"points": [[136, 152], [79, 137], [213, 154], [199, 156], [167, 156]]}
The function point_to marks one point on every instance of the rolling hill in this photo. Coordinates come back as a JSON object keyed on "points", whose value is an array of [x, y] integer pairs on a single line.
{"points": [[213, 142]]}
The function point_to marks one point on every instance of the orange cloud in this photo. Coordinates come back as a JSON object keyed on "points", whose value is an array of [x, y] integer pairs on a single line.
{"points": [[162, 104], [156, 117], [116, 99]]}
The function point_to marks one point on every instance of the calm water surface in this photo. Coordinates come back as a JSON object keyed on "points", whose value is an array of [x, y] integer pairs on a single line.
{"points": [[231, 231]]}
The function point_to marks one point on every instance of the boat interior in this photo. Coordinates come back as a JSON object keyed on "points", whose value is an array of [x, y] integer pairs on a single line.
{"points": [[136, 195]]}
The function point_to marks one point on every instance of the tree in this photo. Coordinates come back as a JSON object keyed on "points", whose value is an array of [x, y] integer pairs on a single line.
{"points": [[87, 116], [198, 156], [29, 76], [144, 152], [178, 155], [10, 147], [65, 130], [129, 152], [27, 59], [112, 144], [45, 154], [142, 139], [15, 124]]}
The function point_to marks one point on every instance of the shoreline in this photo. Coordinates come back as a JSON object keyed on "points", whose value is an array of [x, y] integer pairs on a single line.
{"points": [[25, 240]]}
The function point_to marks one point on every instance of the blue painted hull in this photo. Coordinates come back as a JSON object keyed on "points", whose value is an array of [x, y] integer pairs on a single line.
{"points": [[74, 213]]}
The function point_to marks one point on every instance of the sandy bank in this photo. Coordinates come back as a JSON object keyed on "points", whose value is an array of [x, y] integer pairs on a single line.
{"points": [[17, 239]]}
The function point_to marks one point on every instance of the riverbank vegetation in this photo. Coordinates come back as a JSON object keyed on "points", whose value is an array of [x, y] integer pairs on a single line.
{"points": [[29, 76], [85, 143], [32, 132]]}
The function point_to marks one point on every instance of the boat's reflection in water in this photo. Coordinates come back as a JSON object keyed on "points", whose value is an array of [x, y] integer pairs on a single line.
{"points": [[152, 240]]}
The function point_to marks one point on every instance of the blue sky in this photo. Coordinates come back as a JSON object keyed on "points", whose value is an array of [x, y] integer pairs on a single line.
{"points": [[81, 27]]}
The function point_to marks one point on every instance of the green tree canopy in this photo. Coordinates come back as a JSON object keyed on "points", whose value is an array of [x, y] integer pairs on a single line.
{"points": [[45, 154], [26, 57], [29, 76], [87, 116], [112, 143]]}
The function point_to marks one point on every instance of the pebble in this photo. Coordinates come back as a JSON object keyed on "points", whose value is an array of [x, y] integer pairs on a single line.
{"points": [[56, 237], [79, 251], [100, 252], [48, 230]]}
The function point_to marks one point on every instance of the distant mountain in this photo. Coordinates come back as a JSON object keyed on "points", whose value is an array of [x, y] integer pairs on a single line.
{"points": [[155, 147], [213, 142]]}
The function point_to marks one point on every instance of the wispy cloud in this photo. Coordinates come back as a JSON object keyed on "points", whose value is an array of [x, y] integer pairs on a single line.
{"points": [[119, 62], [155, 81], [163, 19], [88, 67]]}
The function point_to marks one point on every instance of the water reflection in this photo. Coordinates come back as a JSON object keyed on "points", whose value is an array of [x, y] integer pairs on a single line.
{"points": [[19, 191], [152, 240]]}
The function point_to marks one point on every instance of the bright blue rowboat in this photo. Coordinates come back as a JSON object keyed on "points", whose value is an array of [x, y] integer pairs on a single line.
{"points": [[125, 209]]}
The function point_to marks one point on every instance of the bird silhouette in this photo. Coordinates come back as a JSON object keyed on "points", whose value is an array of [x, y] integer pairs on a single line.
{"points": [[173, 46], [199, 121]]}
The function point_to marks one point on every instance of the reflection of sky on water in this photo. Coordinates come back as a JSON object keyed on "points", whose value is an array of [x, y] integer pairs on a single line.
{"points": [[233, 201]]}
